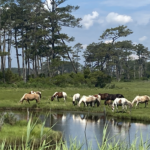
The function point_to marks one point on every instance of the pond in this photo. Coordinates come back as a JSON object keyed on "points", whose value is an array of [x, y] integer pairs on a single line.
{"points": [[88, 128]]}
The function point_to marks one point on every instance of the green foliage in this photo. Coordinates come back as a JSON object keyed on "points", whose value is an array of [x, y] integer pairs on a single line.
{"points": [[86, 73], [9, 118], [99, 79], [11, 77]]}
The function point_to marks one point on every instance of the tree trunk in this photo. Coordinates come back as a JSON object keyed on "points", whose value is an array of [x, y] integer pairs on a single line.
{"points": [[9, 47], [16, 43], [69, 56]]}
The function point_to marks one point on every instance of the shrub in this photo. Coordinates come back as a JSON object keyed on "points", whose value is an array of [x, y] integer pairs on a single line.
{"points": [[99, 79]]}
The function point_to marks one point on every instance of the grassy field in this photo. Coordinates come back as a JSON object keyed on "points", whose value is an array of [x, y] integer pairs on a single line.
{"points": [[10, 97]]}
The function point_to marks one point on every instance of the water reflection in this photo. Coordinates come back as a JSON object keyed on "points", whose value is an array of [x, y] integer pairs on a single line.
{"points": [[88, 128]]}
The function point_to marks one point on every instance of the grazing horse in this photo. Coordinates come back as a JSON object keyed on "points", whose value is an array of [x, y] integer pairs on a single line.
{"points": [[76, 98], [30, 97], [88, 100], [141, 99], [59, 95], [114, 96], [121, 102], [37, 92], [103, 96], [98, 99], [108, 102]]}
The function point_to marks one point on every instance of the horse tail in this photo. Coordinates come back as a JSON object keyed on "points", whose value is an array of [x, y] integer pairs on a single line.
{"points": [[21, 100]]}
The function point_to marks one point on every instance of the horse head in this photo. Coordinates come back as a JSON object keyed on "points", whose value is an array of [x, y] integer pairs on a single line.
{"points": [[52, 98]]}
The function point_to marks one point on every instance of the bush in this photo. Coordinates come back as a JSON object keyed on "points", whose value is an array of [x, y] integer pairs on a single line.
{"points": [[99, 79]]}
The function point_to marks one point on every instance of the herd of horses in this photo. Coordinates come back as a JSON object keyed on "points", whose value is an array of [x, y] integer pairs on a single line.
{"points": [[113, 100]]}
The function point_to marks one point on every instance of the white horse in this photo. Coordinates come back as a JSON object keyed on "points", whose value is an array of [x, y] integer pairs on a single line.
{"points": [[76, 98], [121, 102], [88, 100], [141, 99], [59, 95]]}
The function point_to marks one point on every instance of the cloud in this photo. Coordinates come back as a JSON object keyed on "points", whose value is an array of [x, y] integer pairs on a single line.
{"points": [[143, 38], [108, 41], [84, 46], [47, 5], [127, 3], [116, 18], [88, 20], [134, 56]]}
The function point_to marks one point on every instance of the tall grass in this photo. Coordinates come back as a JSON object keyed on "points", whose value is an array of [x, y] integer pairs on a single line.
{"points": [[108, 143]]}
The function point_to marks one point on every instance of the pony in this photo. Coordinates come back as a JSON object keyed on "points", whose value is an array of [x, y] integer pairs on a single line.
{"points": [[103, 96], [37, 92], [76, 98], [98, 99], [108, 102], [114, 96], [141, 99], [30, 97], [121, 102], [59, 95], [88, 100]]}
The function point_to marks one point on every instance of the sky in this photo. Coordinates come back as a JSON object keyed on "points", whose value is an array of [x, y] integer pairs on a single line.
{"points": [[99, 15]]}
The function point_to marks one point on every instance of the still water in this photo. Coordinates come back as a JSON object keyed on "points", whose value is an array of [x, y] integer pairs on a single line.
{"points": [[88, 128]]}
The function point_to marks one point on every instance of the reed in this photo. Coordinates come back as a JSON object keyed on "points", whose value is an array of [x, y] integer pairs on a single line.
{"points": [[108, 143]]}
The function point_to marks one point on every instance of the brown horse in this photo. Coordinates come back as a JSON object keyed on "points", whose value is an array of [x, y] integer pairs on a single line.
{"points": [[141, 99], [37, 92], [108, 102], [30, 97], [103, 96], [59, 95]]}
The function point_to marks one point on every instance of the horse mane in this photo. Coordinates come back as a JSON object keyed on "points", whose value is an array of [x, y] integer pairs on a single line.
{"points": [[135, 99], [23, 97], [55, 93]]}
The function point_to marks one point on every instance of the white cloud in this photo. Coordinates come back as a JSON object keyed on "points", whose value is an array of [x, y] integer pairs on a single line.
{"points": [[143, 38], [116, 18], [84, 46], [134, 56], [127, 3], [108, 41], [88, 20], [47, 5]]}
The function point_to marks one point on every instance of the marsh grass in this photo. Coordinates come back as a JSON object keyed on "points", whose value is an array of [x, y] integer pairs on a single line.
{"points": [[28, 136], [9, 99], [44, 143]]}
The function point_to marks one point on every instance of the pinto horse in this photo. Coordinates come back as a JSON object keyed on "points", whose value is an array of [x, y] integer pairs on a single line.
{"points": [[121, 102], [114, 96], [76, 98], [59, 95], [103, 96], [37, 92], [30, 97], [88, 100], [98, 99], [141, 99]]}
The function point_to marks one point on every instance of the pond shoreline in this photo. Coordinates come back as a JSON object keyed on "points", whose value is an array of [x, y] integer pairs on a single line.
{"points": [[115, 115]]}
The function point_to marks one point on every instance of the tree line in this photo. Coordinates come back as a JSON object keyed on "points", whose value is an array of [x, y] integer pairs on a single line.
{"points": [[119, 59], [33, 28]]}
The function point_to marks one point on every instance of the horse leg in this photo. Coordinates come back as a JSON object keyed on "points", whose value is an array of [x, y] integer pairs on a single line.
{"points": [[28, 101], [137, 104]]}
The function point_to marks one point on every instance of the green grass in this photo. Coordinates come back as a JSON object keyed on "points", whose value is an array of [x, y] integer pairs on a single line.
{"points": [[28, 135], [9, 98]]}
